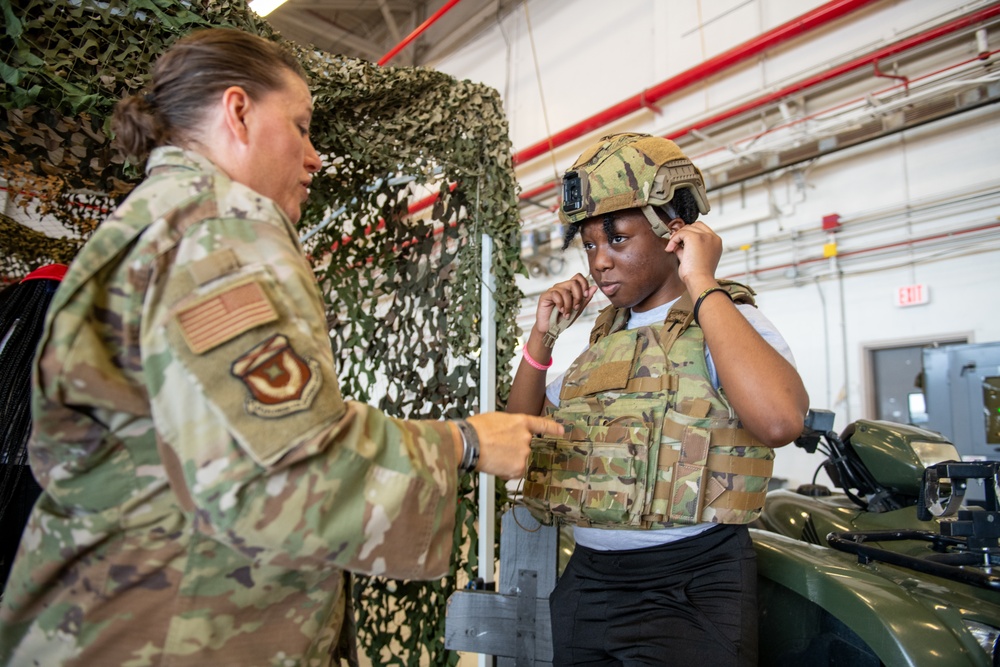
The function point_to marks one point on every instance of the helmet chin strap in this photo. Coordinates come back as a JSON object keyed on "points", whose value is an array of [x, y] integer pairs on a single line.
{"points": [[659, 227]]}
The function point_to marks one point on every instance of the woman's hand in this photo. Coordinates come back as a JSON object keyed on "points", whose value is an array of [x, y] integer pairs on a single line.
{"points": [[698, 250], [527, 394], [505, 439], [566, 297]]}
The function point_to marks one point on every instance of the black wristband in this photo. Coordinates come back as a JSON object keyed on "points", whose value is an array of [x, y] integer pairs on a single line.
{"points": [[470, 446], [701, 297]]}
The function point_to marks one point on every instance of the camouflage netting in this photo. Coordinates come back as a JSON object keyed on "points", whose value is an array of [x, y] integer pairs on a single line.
{"points": [[404, 291]]}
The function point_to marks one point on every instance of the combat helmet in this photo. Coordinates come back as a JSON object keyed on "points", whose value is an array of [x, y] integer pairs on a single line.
{"points": [[629, 170]]}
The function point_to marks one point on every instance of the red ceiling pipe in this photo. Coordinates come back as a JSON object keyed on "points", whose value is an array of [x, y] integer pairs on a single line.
{"points": [[541, 189], [416, 33], [858, 63], [808, 21], [816, 18], [864, 61]]}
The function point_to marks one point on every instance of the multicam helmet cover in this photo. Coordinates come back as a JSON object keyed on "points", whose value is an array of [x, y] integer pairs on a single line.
{"points": [[629, 170]]}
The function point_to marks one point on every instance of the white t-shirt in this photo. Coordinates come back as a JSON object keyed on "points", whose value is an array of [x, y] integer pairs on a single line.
{"points": [[622, 540]]}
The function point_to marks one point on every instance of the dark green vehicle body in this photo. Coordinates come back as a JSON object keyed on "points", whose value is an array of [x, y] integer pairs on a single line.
{"points": [[820, 605]]}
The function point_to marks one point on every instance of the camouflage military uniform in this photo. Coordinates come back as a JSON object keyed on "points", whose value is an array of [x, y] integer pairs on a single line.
{"points": [[205, 485]]}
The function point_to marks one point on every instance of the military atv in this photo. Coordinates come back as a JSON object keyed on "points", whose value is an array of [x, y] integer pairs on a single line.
{"points": [[894, 569]]}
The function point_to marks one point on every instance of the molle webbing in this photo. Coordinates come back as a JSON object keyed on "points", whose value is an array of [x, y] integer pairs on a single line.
{"points": [[617, 375], [694, 459], [608, 320], [613, 380]]}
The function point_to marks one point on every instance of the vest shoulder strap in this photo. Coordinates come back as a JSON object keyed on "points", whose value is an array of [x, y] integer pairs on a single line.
{"points": [[741, 293], [609, 320], [678, 320]]}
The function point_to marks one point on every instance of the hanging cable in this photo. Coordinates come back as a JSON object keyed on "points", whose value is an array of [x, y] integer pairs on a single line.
{"points": [[541, 94]]}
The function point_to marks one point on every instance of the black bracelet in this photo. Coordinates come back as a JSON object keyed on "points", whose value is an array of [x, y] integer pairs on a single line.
{"points": [[470, 446], [701, 297]]}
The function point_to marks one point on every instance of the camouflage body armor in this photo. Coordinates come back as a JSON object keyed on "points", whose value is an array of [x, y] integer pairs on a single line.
{"points": [[651, 443]]}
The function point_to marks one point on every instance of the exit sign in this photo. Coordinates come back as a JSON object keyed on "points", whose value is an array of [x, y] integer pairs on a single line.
{"points": [[912, 295]]}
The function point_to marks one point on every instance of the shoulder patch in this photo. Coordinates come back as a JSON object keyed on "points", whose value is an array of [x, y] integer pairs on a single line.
{"points": [[220, 316], [280, 381], [219, 263]]}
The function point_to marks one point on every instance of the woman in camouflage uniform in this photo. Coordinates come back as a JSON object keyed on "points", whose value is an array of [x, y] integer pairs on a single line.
{"points": [[204, 483], [660, 470]]}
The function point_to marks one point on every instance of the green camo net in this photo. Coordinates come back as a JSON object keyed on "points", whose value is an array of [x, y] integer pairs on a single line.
{"points": [[403, 292]]}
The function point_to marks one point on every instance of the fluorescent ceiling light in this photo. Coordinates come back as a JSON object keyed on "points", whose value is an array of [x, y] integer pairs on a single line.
{"points": [[265, 7]]}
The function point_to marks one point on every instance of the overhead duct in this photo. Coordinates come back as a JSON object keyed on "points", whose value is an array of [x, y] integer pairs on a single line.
{"points": [[929, 36], [914, 114]]}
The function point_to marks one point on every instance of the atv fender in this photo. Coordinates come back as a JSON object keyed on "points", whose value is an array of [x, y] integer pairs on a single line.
{"points": [[896, 627]]}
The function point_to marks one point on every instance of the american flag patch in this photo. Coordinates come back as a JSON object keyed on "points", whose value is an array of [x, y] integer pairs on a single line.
{"points": [[217, 318]]}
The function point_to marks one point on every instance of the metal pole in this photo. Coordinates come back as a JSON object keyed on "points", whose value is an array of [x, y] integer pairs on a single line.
{"points": [[487, 403]]}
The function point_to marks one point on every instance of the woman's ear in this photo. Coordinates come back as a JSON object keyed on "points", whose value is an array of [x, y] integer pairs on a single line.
{"points": [[235, 106], [675, 224]]}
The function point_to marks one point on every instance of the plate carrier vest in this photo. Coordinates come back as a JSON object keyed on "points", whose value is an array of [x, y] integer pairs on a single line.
{"points": [[650, 442]]}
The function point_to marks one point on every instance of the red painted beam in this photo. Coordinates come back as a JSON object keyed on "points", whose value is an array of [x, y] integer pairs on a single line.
{"points": [[416, 33], [870, 59], [797, 27], [858, 63]]}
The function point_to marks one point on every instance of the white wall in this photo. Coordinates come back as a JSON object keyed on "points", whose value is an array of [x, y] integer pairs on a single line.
{"points": [[943, 177]]}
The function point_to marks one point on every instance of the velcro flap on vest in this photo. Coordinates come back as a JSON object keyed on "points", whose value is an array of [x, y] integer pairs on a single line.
{"points": [[662, 490], [713, 489], [667, 459], [740, 500], [688, 499], [613, 375], [695, 407], [734, 437], [740, 465], [648, 385], [694, 445]]}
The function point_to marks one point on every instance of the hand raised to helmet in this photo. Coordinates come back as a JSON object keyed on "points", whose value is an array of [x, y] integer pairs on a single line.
{"points": [[698, 250], [568, 297]]}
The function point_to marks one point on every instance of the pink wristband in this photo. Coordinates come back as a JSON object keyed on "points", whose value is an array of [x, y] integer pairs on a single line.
{"points": [[532, 362]]}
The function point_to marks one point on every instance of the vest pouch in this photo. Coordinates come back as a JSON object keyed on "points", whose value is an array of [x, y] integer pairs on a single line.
{"points": [[686, 487], [594, 477]]}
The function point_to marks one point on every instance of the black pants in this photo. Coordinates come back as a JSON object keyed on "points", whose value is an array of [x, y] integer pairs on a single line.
{"points": [[691, 603]]}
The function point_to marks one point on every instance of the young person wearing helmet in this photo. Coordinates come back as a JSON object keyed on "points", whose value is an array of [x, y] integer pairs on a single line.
{"points": [[673, 412]]}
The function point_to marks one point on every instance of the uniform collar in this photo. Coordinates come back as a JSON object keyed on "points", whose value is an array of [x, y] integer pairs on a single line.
{"points": [[168, 158], [177, 157]]}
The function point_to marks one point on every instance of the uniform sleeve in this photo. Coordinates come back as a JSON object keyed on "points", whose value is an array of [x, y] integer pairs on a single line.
{"points": [[259, 443]]}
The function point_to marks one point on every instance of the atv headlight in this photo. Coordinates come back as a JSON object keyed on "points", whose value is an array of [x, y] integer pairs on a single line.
{"points": [[987, 636], [930, 453]]}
